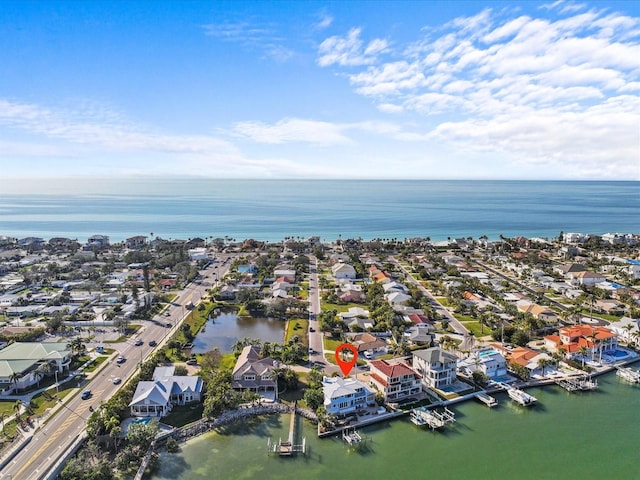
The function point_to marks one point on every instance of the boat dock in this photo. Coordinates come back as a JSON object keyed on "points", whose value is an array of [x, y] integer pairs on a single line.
{"points": [[628, 374], [288, 448], [573, 384], [432, 418], [351, 437], [487, 399]]}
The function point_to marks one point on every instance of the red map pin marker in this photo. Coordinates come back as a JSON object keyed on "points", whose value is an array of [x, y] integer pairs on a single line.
{"points": [[344, 365]]}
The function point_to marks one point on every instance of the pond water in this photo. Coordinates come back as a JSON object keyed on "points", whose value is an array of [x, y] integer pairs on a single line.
{"points": [[224, 328]]}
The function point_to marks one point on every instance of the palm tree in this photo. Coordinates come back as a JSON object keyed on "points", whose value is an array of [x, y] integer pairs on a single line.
{"points": [[43, 370], [14, 378], [543, 363], [583, 353], [16, 409]]}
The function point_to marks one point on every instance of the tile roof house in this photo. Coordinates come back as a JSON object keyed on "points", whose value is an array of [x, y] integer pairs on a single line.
{"points": [[436, 367], [157, 397], [345, 395], [571, 339], [525, 357], [397, 381], [251, 372]]}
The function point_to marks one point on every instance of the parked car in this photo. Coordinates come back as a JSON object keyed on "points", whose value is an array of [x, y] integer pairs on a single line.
{"points": [[153, 343], [138, 342], [192, 361], [116, 380], [86, 394]]}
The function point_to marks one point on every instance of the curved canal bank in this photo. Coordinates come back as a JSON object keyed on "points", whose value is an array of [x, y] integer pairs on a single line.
{"points": [[579, 435]]}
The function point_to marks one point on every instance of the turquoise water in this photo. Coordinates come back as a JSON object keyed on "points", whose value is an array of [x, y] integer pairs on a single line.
{"points": [[270, 210], [567, 436]]}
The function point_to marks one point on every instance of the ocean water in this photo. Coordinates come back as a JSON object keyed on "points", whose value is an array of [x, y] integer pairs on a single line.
{"points": [[273, 209], [588, 435]]}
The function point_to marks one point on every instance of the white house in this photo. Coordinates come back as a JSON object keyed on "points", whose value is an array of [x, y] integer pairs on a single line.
{"points": [[196, 254], [343, 271], [345, 395], [436, 367], [391, 287], [488, 361], [398, 298], [156, 398], [588, 278], [626, 328]]}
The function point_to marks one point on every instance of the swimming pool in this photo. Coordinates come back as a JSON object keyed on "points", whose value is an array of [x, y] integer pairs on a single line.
{"points": [[141, 421], [618, 353]]}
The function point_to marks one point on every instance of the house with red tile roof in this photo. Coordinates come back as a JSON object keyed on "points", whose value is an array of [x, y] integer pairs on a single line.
{"points": [[597, 340], [396, 381]]}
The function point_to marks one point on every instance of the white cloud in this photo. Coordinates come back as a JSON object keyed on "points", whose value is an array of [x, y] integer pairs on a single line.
{"points": [[350, 50], [292, 130], [552, 89], [262, 37], [324, 22]]}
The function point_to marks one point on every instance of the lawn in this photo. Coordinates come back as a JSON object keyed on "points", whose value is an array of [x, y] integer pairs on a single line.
{"points": [[183, 415], [476, 328], [330, 344], [443, 301], [95, 363], [300, 327], [340, 307]]}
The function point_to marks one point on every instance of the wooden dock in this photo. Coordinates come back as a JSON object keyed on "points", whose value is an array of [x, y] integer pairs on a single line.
{"points": [[487, 399], [574, 384], [432, 418], [288, 448]]}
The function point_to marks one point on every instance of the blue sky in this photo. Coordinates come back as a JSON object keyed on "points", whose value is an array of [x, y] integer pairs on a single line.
{"points": [[428, 89]]}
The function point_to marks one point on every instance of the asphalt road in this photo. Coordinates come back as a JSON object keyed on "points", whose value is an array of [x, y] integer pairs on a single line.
{"points": [[53, 439]]}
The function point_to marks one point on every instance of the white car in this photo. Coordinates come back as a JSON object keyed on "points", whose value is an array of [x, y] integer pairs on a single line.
{"points": [[116, 380]]}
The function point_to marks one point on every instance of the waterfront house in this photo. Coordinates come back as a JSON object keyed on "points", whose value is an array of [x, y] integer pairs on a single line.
{"points": [[595, 339], [345, 395], [251, 372], [436, 367], [527, 358], [396, 381], [157, 397], [20, 363], [488, 361]]}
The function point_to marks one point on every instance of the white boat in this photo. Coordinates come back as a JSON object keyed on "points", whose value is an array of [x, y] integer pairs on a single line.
{"points": [[523, 398], [628, 374]]}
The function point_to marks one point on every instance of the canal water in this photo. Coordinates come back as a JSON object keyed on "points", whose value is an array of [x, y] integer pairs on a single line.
{"points": [[224, 328], [586, 435]]}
